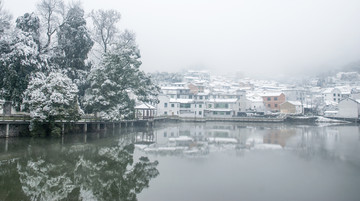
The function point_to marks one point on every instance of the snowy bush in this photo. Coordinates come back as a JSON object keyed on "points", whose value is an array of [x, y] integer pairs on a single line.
{"points": [[52, 98]]}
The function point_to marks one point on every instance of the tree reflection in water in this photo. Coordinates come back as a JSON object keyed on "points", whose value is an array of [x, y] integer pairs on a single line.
{"points": [[85, 172]]}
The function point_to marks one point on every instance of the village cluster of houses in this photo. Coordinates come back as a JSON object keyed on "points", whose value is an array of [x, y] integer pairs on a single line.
{"points": [[201, 95]]}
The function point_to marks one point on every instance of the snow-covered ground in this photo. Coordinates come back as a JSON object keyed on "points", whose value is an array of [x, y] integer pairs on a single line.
{"points": [[321, 119]]}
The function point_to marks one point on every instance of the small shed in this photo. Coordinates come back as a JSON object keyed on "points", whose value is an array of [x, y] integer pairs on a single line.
{"points": [[291, 107], [145, 111]]}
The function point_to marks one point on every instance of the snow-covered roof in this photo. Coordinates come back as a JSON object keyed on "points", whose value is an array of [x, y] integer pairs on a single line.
{"points": [[173, 88], [145, 106], [180, 100], [253, 97], [271, 94], [298, 103], [229, 100], [181, 138], [327, 102], [328, 91], [345, 89], [222, 140]]}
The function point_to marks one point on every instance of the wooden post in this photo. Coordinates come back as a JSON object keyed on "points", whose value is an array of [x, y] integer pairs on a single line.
{"points": [[85, 138], [7, 130], [63, 129], [6, 144], [85, 127]]}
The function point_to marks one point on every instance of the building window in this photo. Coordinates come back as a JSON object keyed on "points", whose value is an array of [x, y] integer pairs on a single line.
{"points": [[268, 98], [200, 106], [334, 94], [185, 105], [165, 104], [210, 105], [338, 95], [165, 113], [201, 97], [334, 99], [165, 134], [275, 105], [172, 105], [276, 98], [227, 113], [190, 96], [269, 105], [200, 113]]}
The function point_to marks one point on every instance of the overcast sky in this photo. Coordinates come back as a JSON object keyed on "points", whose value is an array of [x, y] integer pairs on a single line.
{"points": [[255, 37]]}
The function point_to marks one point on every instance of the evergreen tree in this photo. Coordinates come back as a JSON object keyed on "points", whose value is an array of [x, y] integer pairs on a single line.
{"points": [[116, 78], [19, 58], [30, 23], [75, 43]]}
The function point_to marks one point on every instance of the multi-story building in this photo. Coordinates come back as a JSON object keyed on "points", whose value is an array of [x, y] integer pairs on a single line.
{"points": [[273, 100]]}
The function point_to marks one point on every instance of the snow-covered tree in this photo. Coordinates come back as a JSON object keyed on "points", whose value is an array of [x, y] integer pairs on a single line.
{"points": [[117, 77], [75, 43], [89, 173], [51, 98], [30, 23], [5, 18], [19, 58]]}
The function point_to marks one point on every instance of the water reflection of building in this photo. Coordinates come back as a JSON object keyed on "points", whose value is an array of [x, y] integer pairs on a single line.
{"points": [[200, 138], [278, 136]]}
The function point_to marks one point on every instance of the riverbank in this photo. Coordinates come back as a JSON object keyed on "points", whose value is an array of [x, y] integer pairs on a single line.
{"points": [[17, 127]]}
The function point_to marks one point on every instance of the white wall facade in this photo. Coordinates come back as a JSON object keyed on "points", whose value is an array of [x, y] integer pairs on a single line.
{"points": [[348, 108]]}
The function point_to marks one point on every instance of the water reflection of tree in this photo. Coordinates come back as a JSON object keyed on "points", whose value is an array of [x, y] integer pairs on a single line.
{"points": [[85, 172]]}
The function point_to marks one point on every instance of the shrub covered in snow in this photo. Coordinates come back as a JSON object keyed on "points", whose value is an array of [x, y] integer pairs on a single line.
{"points": [[52, 98]]}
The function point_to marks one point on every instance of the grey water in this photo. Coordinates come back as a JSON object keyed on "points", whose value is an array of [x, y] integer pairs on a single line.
{"points": [[186, 161]]}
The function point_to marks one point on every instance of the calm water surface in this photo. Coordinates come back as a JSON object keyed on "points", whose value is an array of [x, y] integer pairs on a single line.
{"points": [[206, 161]]}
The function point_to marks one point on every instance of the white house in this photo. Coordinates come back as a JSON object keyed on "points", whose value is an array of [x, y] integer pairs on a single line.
{"points": [[223, 108], [294, 94], [332, 94], [167, 106], [349, 108], [255, 103]]}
